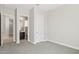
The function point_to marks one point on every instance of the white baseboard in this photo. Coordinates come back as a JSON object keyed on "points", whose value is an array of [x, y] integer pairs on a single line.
{"points": [[60, 43], [31, 42], [39, 41], [77, 48]]}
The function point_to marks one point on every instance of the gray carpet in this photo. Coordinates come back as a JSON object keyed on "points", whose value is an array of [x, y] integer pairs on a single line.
{"points": [[39, 48]]}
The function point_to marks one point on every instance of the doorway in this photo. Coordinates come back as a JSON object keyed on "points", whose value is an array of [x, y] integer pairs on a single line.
{"points": [[23, 28], [7, 29], [11, 30], [0, 29]]}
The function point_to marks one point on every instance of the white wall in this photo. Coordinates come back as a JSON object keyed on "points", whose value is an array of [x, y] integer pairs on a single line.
{"points": [[63, 26], [31, 25], [46, 26], [7, 11]]}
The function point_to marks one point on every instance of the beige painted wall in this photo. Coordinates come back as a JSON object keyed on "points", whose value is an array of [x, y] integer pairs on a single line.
{"points": [[63, 25]]}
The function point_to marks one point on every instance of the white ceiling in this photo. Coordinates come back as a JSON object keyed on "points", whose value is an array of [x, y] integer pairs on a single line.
{"points": [[47, 7], [22, 6], [42, 7]]}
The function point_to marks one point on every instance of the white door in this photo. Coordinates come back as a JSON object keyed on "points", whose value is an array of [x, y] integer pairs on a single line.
{"points": [[39, 28]]}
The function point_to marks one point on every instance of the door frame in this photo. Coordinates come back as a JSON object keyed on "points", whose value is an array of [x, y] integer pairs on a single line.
{"points": [[0, 29], [2, 17], [18, 33], [17, 27]]}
